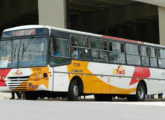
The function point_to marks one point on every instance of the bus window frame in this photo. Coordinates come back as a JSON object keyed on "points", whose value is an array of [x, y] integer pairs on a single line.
{"points": [[49, 56]]}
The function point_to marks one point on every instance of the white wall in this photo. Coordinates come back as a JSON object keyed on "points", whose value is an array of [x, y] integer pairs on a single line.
{"points": [[162, 25], [154, 2], [52, 12]]}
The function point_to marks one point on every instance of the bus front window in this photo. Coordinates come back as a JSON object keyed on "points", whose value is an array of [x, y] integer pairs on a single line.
{"points": [[9, 53], [33, 52]]}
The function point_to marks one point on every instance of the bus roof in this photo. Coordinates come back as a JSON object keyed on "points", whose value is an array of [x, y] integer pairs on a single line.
{"points": [[83, 33], [24, 27]]}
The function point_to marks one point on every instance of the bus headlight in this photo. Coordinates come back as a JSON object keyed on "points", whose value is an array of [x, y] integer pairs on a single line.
{"points": [[40, 75]]}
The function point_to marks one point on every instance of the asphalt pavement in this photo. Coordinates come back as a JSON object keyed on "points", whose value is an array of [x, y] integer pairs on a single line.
{"points": [[81, 110]]}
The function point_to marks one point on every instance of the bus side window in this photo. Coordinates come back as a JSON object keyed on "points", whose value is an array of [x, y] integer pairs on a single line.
{"points": [[153, 59], [74, 40], [84, 53], [161, 59], [80, 41], [59, 53], [144, 56], [95, 55], [133, 57], [97, 43], [104, 56], [83, 41], [116, 54], [116, 47]]}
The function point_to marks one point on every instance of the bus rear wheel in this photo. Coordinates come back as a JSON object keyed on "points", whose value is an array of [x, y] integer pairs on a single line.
{"points": [[140, 93], [74, 91]]}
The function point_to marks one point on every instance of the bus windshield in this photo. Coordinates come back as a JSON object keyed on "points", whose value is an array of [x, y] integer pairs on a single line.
{"points": [[29, 52]]}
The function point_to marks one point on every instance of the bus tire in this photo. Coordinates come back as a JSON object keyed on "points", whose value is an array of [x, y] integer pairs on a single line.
{"points": [[140, 93], [73, 93], [103, 97], [30, 96]]}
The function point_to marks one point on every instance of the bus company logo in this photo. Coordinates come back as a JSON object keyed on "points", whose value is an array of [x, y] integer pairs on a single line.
{"points": [[119, 71], [18, 72]]}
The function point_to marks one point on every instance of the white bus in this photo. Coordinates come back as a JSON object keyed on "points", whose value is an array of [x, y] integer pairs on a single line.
{"points": [[48, 61]]}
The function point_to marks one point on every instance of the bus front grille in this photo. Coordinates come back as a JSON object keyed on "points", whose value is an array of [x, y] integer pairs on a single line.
{"points": [[17, 83]]}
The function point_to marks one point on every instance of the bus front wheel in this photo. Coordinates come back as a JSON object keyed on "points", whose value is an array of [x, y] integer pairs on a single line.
{"points": [[74, 91]]}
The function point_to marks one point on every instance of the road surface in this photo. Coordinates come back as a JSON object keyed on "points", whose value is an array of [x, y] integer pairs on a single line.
{"points": [[82, 110]]}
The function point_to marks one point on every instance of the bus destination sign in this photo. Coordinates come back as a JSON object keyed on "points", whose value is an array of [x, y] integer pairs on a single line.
{"points": [[24, 32]]}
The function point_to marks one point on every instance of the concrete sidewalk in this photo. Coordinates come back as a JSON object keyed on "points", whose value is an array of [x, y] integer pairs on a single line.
{"points": [[5, 95]]}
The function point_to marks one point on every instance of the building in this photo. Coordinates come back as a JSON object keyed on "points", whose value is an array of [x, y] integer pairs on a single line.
{"points": [[141, 20]]}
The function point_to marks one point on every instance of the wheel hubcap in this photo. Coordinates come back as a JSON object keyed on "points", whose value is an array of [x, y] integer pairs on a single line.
{"points": [[75, 90], [140, 93]]}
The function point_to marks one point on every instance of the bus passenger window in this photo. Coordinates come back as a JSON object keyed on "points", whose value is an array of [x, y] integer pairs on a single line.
{"points": [[144, 54], [59, 53], [162, 53], [133, 60], [74, 40], [153, 62], [117, 58], [132, 49], [84, 54], [115, 46], [97, 43], [153, 59], [152, 52], [161, 59], [83, 41], [116, 55], [95, 55], [145, 61], [132, 56], [144, 51], [104, 56]]}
